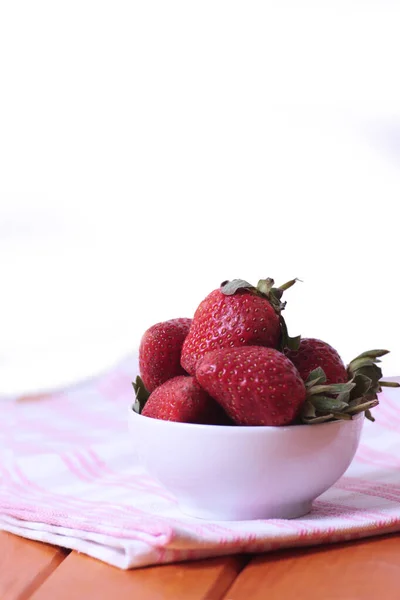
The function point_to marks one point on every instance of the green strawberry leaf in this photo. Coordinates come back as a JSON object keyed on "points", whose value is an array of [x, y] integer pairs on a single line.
{"points": [[316, 376], [316, 420], [141, 395], [292, 343], [308, 410], [231, 287], [369, 415], [373, 372], [358, 395], [362, 385], [275, 293], [264, 286], [358, 363], [365, 364], [334, 388], [344, 397], [356, 401], [372, 354], [340, 416], [326, 404], [362, 407]]}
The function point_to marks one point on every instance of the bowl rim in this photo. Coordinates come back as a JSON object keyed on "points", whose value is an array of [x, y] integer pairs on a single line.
{"points": [[243, 428]]}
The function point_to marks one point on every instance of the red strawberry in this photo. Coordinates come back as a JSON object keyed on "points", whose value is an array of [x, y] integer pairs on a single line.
{"points": [[253, 384], [314, 353], [237, 314], [160, 352], [182, 399]]}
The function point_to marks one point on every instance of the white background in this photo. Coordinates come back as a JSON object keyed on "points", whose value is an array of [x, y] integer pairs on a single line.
{"points": [[150, 150]]}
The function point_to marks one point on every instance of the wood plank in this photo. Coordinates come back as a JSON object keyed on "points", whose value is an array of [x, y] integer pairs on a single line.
{"points": [[24, 565], [80, 576], [363, 570]]}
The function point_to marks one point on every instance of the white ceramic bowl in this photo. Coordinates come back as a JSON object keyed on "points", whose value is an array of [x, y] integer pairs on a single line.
{"points": [[239, 473]]}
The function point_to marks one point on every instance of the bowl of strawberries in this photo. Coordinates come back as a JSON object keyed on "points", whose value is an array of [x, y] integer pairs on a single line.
{"points": [[237, 419]]}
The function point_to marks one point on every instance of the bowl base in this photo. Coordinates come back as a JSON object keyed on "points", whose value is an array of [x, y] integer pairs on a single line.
{"points": [[287, 511]]}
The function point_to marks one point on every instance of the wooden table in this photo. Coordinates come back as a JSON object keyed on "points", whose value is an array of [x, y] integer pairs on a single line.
{"points": [[364, 570]]}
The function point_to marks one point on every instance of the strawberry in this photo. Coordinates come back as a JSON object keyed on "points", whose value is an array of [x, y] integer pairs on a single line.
{"points": [[236, 314], [160, 352], [313, 353], [253, 384], [182, 399]]}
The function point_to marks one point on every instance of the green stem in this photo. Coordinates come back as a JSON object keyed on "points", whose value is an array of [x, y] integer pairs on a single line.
{"points": [[394, 384]]}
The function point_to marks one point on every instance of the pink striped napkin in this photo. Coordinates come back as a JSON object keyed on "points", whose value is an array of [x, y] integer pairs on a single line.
{"points": [[67, 478]]}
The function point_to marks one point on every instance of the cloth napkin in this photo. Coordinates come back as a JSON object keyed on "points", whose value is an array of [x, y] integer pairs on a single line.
{"points": [[67, 478]]}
